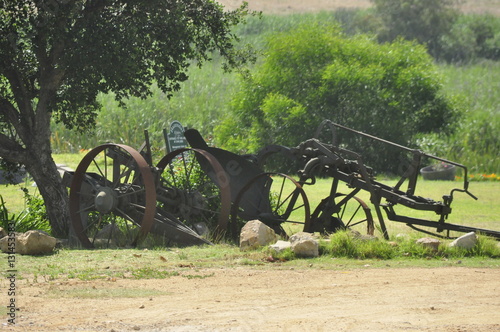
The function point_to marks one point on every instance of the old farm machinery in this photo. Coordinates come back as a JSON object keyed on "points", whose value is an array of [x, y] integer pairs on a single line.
{"points": [[118, 196]]}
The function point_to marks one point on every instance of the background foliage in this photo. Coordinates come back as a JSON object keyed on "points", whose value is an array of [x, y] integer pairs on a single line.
{"points": [[313, 72], [470, 81]]}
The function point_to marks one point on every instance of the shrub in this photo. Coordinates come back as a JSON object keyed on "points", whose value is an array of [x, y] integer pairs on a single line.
{"points": [[314, 73], [33, 217], [424, 21], [472, 37]]}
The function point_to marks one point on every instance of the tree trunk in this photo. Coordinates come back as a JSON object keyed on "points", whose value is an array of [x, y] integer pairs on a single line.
{"points": [[44, 171]]}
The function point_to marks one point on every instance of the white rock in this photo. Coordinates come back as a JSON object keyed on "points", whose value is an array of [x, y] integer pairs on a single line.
{"points": [[30, 243], [280, 246], [256, 234], [304, 244], [467, 241]]}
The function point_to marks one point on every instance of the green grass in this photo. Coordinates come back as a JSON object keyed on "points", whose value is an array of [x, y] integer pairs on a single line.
{"points": [[345, 244], [477, 83], [197, 262], [482, 213]]}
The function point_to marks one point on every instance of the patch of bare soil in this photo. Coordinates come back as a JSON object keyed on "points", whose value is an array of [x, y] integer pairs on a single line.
{"points": [[246, 299], [302, 6], [296, 6]]}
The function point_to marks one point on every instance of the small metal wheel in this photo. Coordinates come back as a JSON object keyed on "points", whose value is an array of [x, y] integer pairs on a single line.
{"points": [[342, 212], [112, 197], [194, 188], [274, 199]]}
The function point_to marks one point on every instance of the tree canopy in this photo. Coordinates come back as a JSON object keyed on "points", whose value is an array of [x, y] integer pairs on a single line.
{"points": [[57, 55], [426, 21]]}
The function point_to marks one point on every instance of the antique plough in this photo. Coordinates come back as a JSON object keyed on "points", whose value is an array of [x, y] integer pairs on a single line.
{"points": [[341, 210], [118, 196]]}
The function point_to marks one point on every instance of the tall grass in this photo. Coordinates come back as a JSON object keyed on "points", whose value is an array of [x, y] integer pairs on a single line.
{"points": [[476, 141], [200, 104]]}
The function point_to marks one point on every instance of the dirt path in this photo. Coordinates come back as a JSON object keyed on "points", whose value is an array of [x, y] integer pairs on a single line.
{"points": [[245, 299], [303, 6], [296, 6]]}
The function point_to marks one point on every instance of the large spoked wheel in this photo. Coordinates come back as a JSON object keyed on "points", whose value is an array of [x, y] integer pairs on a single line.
{"points": [[340, 213], [194, 188], [112, 197], [274, 199]]}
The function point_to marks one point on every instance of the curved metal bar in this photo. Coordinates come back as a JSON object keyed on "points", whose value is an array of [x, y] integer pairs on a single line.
{"points": [[331, 125], [267, 203]]}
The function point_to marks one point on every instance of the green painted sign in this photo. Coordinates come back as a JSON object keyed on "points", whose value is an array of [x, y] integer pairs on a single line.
{"points": [[175, 138]]}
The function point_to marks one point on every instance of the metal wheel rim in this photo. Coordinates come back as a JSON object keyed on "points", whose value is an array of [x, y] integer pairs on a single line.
{"points": [[369, 218], [239, 197], [150, 194], [222, 183]]}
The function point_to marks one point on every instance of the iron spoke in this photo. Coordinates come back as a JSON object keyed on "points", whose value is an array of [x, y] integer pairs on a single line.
{"points": [[88, 208], [103, 174], [126, 216], [353, 215], [357, 223]]}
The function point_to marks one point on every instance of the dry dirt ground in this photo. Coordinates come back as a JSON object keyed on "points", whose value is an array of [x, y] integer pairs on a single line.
{"points": [[302, 6], [248, 299]]}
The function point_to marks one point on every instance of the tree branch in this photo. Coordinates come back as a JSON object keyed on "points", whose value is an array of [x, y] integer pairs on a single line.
{"points": [[13, 117], [21, 96], [10, 112], [11, 151]]}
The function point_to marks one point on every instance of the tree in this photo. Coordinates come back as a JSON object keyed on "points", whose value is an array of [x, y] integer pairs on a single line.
{"points": [[314, 73], [425, 21], [57, 55]]}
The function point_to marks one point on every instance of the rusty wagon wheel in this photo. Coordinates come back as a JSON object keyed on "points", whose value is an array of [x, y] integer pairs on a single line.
{"points": [[193, 188], [274, 199], [341, 212], [112, 197]]}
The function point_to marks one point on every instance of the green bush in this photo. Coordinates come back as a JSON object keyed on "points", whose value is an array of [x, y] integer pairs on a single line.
{"points": [[472, 37], [314, 73], [475, 144], [448, 35], [425, 21], [33, 217]]}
